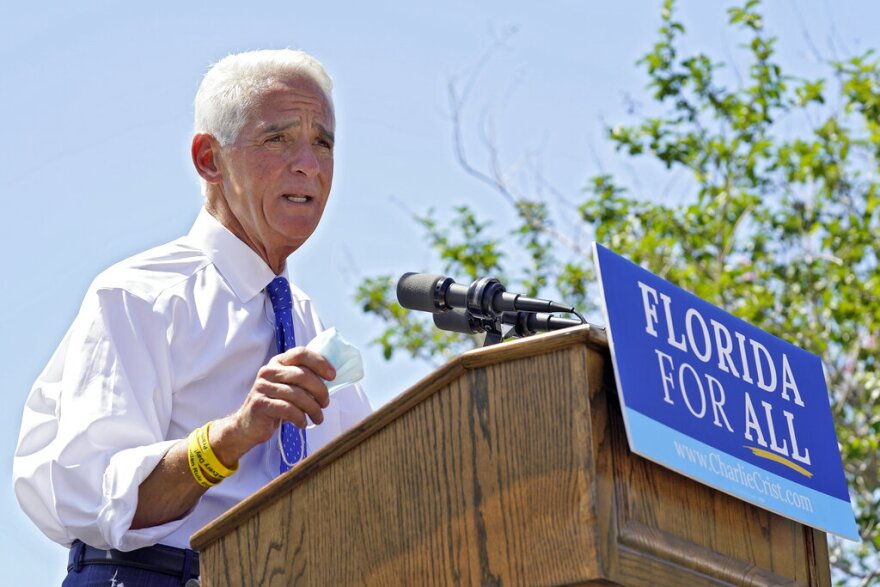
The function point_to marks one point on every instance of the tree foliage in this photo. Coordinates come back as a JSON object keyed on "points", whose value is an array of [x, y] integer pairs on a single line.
{"points": [[779, 225]]}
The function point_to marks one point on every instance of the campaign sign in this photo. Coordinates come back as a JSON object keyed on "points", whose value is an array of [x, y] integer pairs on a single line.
{"points": [[716, 399]]}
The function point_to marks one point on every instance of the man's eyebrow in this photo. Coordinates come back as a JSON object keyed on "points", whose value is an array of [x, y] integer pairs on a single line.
{"points": [[324, 133], [279, 127]]}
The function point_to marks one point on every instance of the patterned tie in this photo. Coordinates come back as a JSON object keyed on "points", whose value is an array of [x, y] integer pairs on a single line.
{"points": [[293, 439]]}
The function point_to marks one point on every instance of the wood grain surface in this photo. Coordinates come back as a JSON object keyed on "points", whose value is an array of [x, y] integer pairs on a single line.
{"points": [[508, 466]]}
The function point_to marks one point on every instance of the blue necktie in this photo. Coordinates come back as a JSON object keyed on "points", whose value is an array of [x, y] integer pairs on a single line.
{"points": [[293, 439]]}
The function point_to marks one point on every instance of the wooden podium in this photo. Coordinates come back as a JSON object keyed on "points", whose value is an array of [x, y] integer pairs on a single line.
{"points": [[507, 466]]}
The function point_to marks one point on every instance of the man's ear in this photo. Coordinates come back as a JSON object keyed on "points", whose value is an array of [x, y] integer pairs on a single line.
{"points": [[204, 156]]}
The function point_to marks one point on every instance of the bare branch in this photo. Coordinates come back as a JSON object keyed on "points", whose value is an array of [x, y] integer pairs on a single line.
{"points": [[808, 39]]}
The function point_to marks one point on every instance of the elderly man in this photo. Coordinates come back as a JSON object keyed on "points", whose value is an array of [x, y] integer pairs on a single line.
{"points": [[163, 406]]}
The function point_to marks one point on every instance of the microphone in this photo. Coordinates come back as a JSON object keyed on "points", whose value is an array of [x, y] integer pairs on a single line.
{"points": [[486, 298], [523, 323], [459, 321], [528, 323]]}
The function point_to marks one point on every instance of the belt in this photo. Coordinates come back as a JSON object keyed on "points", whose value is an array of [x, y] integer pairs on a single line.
{"points": [[168, 560]]}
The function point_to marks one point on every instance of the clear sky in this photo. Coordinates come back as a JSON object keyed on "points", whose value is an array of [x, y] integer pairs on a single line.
{"points": [[94, 156]]}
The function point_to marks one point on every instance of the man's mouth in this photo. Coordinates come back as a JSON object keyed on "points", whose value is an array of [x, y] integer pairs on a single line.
{"points": [[297, 199]]}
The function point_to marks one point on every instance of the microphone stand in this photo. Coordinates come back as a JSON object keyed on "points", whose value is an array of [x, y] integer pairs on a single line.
{"points": [[512, 325], [502, 326], [494, 335]]}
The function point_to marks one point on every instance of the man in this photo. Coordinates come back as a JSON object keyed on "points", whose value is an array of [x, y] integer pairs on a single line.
{"points": [[172, 359]]}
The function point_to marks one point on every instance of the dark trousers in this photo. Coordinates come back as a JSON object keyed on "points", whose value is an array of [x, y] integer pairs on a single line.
{"points": [[116, 576], [103, 571]]}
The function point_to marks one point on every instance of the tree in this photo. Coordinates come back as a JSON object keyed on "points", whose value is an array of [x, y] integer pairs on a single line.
{"points": [[780, 227]]}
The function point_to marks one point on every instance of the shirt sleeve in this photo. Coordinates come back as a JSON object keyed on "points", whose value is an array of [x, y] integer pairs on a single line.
{"points": [[95, 425]]}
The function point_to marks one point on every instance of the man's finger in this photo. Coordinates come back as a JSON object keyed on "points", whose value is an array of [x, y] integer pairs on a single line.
{"points": [[289, 374], [281, 408], [295, 416], [303, 357], [300, 398]]}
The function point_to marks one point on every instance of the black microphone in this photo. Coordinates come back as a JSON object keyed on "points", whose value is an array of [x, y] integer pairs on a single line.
{"points": [[528, 323], [485, 298], [459, 321], [524, 323]]}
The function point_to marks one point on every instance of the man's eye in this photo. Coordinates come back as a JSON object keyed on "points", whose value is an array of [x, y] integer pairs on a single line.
{"points": [[324, 143], [275, 139]]}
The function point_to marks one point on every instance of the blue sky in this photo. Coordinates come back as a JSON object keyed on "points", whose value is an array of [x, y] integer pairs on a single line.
{"points": [[94, 162]]}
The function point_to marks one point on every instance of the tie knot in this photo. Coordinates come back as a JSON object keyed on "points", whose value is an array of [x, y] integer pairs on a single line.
{"points": [[279, 294]]}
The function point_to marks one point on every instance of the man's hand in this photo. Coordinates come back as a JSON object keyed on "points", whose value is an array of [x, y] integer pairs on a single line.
{"points": [[288, 388]]}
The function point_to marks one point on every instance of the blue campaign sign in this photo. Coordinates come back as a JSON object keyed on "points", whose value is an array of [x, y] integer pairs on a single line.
{"points": [[727, 404]]}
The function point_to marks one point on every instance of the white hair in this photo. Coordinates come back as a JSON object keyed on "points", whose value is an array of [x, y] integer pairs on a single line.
{"points": [[232, 86]]}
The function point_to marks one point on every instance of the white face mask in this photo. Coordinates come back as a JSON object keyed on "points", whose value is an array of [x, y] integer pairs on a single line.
{"points": [[344, 356]]}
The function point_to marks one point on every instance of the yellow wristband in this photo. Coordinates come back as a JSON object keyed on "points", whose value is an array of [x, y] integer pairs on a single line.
{"points": [[209, 461], [193, 461]]}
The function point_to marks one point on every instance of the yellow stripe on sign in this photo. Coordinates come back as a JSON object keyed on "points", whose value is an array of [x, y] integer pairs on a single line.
{"points": [[765, 454]]}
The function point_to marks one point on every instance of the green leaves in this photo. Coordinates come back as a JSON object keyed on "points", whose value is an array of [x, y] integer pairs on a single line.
{"points": [[469, 251]]}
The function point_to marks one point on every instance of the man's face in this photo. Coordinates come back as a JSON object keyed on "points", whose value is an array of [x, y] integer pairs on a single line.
{"points": [[278, 172]]}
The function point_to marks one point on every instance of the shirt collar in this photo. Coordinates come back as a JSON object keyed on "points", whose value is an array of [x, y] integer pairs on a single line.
{"points": [[244, 270]]}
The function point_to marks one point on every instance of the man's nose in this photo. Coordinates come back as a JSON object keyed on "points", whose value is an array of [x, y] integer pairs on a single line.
{"points": [[304, 160]]}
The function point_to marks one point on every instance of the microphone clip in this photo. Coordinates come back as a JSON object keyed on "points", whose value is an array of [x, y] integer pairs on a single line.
{"points": [[480, 296]]}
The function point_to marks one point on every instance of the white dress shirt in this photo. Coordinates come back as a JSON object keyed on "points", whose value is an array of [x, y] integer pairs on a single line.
{"points": [[164, 342]]}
